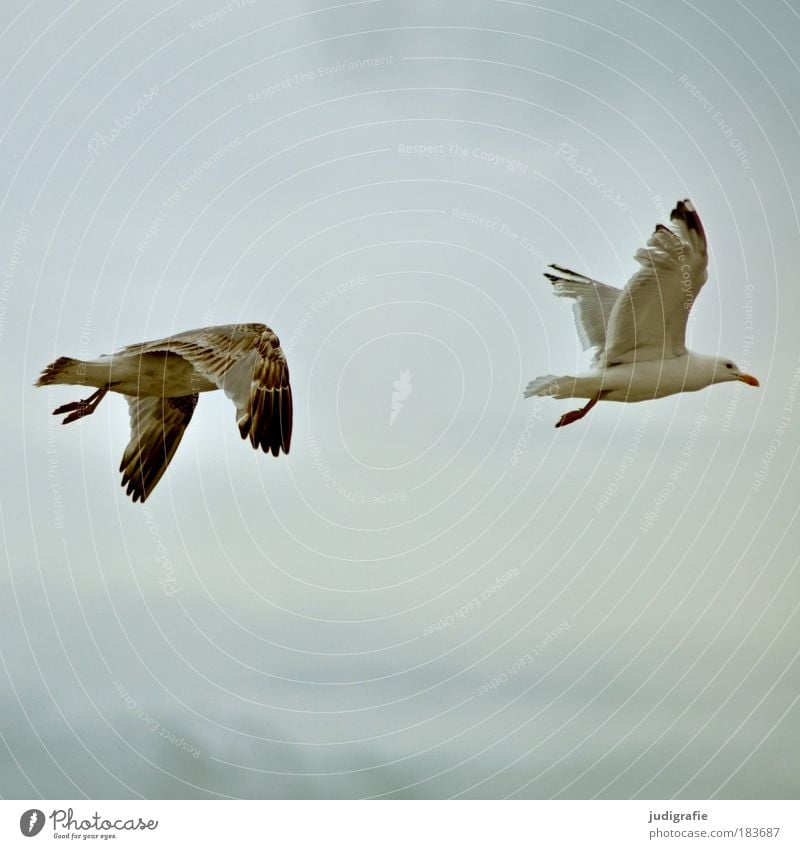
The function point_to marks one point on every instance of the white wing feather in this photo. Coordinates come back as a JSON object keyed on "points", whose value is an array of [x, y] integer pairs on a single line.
{"points": [[649, 318], [592, 307]]}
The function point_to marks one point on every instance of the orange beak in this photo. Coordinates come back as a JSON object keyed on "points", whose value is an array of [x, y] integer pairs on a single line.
{"points": [[748, 379]]}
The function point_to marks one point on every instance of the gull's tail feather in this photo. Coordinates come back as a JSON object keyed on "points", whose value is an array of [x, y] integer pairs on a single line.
{"points": [[95, 373], [63, 370], [551, 385]]}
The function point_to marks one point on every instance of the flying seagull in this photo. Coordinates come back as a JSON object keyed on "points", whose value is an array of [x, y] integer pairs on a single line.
{"points": [[161, 382], [639, 332]]}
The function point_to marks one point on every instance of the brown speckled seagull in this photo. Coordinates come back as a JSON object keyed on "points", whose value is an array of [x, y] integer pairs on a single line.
{"points": [[161, 382]]}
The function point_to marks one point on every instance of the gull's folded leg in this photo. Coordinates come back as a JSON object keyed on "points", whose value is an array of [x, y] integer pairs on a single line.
{"points": [[79, 409], [574, 415]]}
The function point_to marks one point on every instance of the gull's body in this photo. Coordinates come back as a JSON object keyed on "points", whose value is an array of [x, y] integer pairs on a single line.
{"points": [[162, 381], [639, 333]]}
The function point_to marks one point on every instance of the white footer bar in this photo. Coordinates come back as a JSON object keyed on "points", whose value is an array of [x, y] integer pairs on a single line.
{"points": [[406, 824]]}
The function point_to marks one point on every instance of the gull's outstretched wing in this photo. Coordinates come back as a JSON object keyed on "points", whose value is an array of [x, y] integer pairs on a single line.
{"points": [[247, 363], [593, 303], [648, 321], [157, 426]]}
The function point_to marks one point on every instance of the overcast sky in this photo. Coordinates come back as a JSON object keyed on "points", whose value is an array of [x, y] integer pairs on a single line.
{"points": [[436, 593]]}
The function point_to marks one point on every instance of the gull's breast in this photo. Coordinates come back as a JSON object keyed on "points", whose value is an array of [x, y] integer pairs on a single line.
{"points": [[644, 381]]}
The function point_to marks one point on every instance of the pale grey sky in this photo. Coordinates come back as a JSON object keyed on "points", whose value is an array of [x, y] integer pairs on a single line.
{"points": [[439, 595]]}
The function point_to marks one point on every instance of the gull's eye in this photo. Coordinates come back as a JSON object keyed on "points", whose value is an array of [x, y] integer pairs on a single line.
{"points": [[728, 365]]}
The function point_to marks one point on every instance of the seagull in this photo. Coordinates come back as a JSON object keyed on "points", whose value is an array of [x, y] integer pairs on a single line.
{"points": [[639, 333], [161, 382]]}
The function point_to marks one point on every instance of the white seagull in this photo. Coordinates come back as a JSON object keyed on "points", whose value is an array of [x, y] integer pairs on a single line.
{"points": [[161, 382], [639, 332]]}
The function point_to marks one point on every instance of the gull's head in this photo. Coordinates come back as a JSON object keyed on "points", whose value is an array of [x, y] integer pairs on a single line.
{"points": [[725, 370]]}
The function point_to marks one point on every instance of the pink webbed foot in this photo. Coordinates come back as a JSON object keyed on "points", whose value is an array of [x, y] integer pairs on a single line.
{"points": [[575, 415]]}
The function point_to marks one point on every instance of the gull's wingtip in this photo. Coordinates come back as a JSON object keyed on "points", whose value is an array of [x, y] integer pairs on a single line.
{"points": [[683, 208], [686, 213]]}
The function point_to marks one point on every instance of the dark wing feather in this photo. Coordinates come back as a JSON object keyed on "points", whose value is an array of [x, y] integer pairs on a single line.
{"points": [[267, 419], [157, 427]]}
